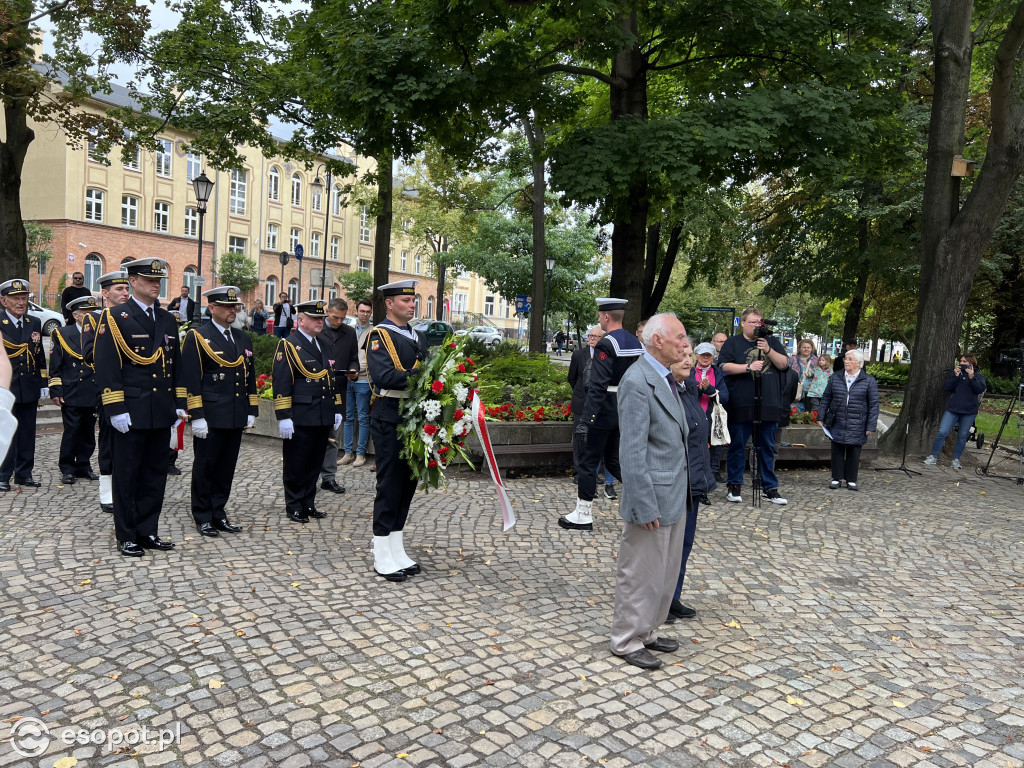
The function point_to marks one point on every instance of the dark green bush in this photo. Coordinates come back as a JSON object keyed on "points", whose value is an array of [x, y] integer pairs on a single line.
{"points": [[523, 380], [263, 350]]}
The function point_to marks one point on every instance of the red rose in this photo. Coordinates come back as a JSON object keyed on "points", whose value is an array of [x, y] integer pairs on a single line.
{"points": [[430, 429], [452, 345], [539, 415], [443, 450], [431, 463], [461, 368], [437, 387], [458, 415]]}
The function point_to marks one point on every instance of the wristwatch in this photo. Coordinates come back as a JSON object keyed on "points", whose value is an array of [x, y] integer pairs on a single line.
{"points": [[748, 367]]}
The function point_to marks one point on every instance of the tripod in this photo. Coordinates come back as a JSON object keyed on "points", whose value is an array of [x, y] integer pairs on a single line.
{"points": [[756, 481], [906, 433], [995, 443]]}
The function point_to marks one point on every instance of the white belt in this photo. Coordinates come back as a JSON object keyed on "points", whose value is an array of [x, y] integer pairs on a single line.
{"points": [[613, 389], [400, 393]]}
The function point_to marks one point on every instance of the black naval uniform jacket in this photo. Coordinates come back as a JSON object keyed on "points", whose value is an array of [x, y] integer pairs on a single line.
{"points": [[613, 355], [343, 348], [71, 377], [391, 354], [306, 389], [136, 363], [28, 362], [219, 378]]}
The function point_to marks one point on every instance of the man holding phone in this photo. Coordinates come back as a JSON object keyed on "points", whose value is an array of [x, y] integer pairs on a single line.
{"points": [[965, 386], [341, 342]]}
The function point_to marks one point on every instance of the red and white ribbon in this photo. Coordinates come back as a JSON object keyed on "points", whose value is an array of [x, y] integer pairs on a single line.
{"points": [[508, 517]]}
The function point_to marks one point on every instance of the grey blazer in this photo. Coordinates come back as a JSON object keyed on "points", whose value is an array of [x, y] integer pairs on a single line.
{"points": [[652, 448]]}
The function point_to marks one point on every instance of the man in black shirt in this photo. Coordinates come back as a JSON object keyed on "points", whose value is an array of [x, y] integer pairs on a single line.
{"points": [[74, 291], [745, 358], [343, 355]]}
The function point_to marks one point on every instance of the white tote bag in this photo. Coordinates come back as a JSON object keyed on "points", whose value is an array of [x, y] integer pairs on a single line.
{"points": [[719, 423]]}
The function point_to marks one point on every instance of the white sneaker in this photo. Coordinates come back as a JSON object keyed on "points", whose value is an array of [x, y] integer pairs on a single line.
{"points": [[581, 518], [956, 464], [772, 494], [931, 461], [733, 494]]}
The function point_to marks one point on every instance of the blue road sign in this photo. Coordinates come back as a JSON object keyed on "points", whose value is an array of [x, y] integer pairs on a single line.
{"points": [[523, 302], [298, 252]]}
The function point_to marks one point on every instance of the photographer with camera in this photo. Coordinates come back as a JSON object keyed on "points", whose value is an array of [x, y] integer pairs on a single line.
{"points": [[755, 353], [966, 386]]}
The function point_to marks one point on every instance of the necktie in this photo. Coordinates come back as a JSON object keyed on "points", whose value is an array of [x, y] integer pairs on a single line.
{"points": [[152, 317], [672, 385], [227, 335]]}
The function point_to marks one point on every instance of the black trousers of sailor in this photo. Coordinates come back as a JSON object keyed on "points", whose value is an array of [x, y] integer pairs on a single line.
{"points": [[213, 471], [396, 484], [138, 482], [21, 456], [601, 445], [303, 458], [105, 451], [79, 439]]}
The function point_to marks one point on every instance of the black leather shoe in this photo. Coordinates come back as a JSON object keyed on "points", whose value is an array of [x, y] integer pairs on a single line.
{"points": [[643, 659], [67, 479], [681, 611], [332, 485], [296, 516], [571, 526], [107, 508], [412, 570], [87, 475], [663, 645], [224, 525], [207, 529], [155, 542], [28, 481], [314, 512], [396, 576], [173, 470], [130, 549], [5, 485]]}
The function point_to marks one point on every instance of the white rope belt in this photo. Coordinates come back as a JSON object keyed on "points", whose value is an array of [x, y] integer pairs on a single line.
{"points": [[399, 393], [613, 389]]}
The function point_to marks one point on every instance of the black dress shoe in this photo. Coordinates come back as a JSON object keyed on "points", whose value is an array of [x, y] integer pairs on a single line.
{"points": [[224, 525], [663, 645], [28, 481], [643, 659], [67, 479], [207, 529], [5, 485], [155, 542], [107, 508], [173, 470], [681, 611], [130, 549], [396, 576], [314, 512], [296, 516], [87, 475], [332, 485], [571, 526]]}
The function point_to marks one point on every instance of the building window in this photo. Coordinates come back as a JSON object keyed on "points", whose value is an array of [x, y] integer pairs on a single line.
{"points": [[236, 244], [129, 211], [193, 166], [293, 239], [188, 278], [163, 158], [94, 205], [296, 189], [191, 222], [317, 198], [419, 262], [335, 248], [430, 307], [134, 161], [405, 262], [417, 310], [364, 265], [273, 231], [239, 187], [94, 150], [489, 306], [92, 270], [314, 292], [336, 200], [274, 184], [161, 217], [293, 291], [314, 245], [364, 226], [333, 293], [270, 293], [460, 303]]}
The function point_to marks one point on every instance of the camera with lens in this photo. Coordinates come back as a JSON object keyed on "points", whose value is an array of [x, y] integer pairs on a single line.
{"points": [[765, 329]]}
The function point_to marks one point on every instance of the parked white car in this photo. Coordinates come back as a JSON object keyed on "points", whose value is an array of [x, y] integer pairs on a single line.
{"points": [[47, 317], [490, 336]]}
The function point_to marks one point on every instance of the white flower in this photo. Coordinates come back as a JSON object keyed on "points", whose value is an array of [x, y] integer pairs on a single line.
{"points": [[443, 435], [431, 409], [461, 392], [459, 429]]}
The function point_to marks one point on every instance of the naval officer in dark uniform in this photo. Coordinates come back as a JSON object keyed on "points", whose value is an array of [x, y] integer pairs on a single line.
{"points": [[115, 291], [136, 357], [597, 432], [73, 389], [307, 403], [393, 349], [219, 377], [23, 339]]}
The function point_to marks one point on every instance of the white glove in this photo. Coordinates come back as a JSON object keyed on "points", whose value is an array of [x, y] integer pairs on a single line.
{"points": [[200, 428], [181, 414], [286, 428], [44, 393], [337, 421], [250, 421], [122, 422]]}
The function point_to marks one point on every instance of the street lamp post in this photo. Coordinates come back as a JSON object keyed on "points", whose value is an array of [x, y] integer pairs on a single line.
{"points": [[549, 264], [202, 186], [327, 225]]}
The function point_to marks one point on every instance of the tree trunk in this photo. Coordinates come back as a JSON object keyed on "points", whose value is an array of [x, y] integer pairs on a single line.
{"points": [[13, 243], [535, 137], [953, 243], [382, 244]]}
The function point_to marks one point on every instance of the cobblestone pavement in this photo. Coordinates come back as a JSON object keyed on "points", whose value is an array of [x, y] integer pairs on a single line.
{"points": [[876, 628]]}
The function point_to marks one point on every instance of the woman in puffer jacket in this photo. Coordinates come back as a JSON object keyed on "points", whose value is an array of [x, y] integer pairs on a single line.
{"points": [[852, 396]]}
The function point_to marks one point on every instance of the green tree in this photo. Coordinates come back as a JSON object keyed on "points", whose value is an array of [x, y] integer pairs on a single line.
{"points": [[238, 270], [39, 242], [358, 286]]}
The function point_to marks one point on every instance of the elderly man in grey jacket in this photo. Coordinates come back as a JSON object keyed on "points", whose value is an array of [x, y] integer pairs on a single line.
{"points": [[654, 490]]}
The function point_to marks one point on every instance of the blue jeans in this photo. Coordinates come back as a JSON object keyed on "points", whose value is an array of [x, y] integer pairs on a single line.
{"points": [[740, 433], [357, 402], [965, 420]]}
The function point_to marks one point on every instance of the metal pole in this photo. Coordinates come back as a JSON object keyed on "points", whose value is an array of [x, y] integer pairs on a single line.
{"points": [[197, 311], [547, 292], [327, 229]]}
